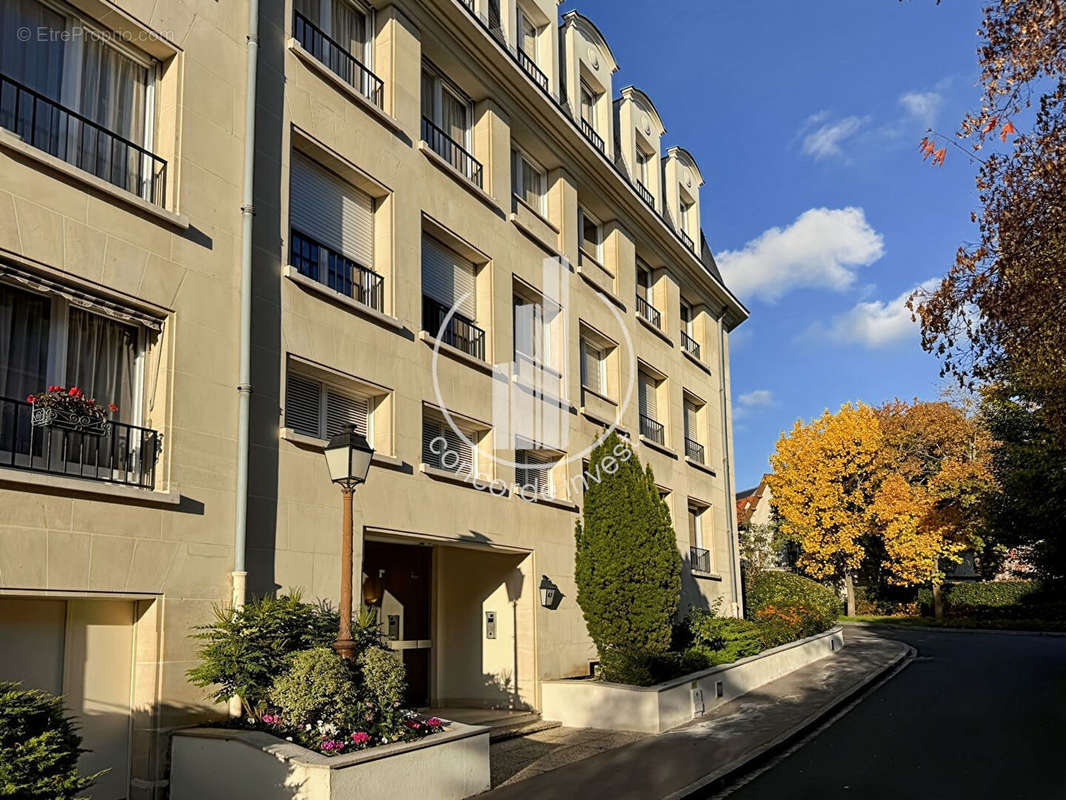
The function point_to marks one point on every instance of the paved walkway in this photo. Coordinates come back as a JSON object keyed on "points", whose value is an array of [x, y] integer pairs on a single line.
{"points": [[574, 764]]}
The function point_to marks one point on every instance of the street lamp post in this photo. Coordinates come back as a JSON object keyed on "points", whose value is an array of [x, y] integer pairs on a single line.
{"points": [[348, 458]]}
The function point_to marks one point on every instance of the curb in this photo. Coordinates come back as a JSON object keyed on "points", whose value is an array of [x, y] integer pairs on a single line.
{"points": [[934, 629], [712, 781]]}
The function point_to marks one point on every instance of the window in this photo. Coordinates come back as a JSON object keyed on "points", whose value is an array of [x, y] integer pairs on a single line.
{"points": [[691, 420], [593, 367], [446, 106], [449, 301], [348, 24], [643, 160], [699, 540], [686, 318], [647, 389], [530, 181], [643, 281], [444, 448], [332, 232], [50, 340], [527, 35], [588, 105], [533, 322], [591, 236], [321, 410], [533, 470], [80, 74]]}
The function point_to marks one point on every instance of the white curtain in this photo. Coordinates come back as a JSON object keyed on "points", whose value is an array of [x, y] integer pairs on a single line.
{"points": [[24, 319], [349, 29], [454, 117], [100, 360]]}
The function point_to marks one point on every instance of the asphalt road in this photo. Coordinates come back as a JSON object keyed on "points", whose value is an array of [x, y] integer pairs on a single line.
{"points": [[976, 715]]}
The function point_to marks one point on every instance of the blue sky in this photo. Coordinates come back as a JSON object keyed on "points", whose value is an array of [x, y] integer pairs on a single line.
{"points": [[805, 118]]}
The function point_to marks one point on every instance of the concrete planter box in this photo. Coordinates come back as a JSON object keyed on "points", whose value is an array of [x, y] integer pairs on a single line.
{"points": [[586, 703], [221, 764]]}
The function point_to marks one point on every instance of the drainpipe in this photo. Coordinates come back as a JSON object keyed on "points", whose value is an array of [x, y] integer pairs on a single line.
{"points": [[731, 506]]}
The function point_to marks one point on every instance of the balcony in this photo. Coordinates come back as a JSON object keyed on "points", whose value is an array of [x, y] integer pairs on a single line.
{"points": [[459, 332], [121, 454], [649, 313], [650, 429], [319, 263], [687, 240], [532, 70], [77, 140], [593, 137], [337, 59], [694, 450], [699, 559], [451, 151], [690, 345], [644, 193]]}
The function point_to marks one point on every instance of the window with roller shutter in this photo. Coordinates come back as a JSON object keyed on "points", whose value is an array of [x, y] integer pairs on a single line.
{"points": [[331, 211], [533, 471], [443, 448], [647, 389], [593, 367], [447, 277], [316, 409]]}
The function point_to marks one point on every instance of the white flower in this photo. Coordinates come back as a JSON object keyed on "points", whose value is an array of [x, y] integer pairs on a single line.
{"points": [[288, 738], [307, 727]]}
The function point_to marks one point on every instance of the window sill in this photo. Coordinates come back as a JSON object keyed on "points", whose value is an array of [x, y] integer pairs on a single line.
{"points": [[10, 141], [655, 330], [496, 488], [656, 446], [100, 489], [543, 499], [294, 275], [454, 352], [696, 361], [335, 80], [701, 467], [458, 177], [601, 410], [381, 459], [708, 576]]}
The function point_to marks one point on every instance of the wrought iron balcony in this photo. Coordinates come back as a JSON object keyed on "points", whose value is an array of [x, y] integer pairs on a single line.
{"points": [[699, 559], [459, 332], [451, 151], [650, 429], [644, 193], [649, 312], [77, 140], [342, 63], [531, 68], [687, 240], [592, 136], [113, 452], [319, 263], [690, 345], [694, 450]]}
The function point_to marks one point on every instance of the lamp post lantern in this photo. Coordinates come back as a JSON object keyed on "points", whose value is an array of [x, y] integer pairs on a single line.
{"points": [[348, 456]]}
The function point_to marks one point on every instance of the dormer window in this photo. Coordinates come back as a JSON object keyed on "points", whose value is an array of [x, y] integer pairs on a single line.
{"points": [[588, 105]]}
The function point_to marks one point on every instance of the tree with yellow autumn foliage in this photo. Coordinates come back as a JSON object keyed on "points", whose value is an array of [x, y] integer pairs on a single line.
{"points": [[825, 476]]}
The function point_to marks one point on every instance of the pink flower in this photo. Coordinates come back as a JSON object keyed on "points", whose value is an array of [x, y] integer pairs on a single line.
{"points": [[360, 738], [435, 722], [271, 719], [31, 399], [412, 724]]}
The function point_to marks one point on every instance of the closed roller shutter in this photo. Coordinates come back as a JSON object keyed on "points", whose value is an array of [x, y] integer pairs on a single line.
{"points": [[454, 454], [345, 409], [327, 209], [690, 422], [322, 411], [533, 471], [302, 404], [646, 387], [447, 277]]}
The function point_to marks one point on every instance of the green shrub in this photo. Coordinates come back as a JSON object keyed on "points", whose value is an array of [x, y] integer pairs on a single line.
{"points": [[628, 568], [722, 640], [774, 593], [39, 747], [317, 686], [993, 599], [382, 679]]}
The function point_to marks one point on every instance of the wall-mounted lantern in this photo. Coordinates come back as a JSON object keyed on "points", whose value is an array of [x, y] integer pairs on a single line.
{"points": [[548, 592]]}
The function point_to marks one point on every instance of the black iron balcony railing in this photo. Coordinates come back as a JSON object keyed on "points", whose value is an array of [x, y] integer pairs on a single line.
{"points": [[592, 136], [687, 240], [644, 193], [649, 312], [699, 559], [531, 68], [122, 453], [342, 63], [694, 450], [338, 272], [650, 429], [77, 140], [451, 151], [690, 345], [460, 332]]}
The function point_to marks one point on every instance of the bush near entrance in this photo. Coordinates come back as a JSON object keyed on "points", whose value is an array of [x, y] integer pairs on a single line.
{"points": [[770, 594]]}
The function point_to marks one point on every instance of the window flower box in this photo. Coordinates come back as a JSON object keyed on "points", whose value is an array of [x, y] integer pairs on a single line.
{"points": [[70, 410]]}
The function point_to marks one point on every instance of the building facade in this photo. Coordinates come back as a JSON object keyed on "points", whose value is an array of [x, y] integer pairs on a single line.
{"points": [[467, 243]]}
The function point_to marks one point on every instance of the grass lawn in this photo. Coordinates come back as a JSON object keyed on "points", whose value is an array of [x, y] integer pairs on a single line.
{"points": [[965, 622]]}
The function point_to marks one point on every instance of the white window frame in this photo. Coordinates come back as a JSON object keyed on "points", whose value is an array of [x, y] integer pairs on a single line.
{"points": [[337, 387], [598, 354], [697, 512], [684, 215], [325, 24], [685, 313], [644, 167], [524, 20], [586, 91], [583, 217], [522, 462], [441, 84], [645, 268], [521, 161], [546, 328]]}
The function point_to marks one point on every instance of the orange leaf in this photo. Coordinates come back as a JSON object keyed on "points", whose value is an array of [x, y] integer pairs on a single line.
{"points": [[989, 126], [938, 157], [1008, 128], [926, 148]]}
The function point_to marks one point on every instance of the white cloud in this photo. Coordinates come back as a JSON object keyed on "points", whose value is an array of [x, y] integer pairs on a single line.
{"points": [[922, 106], [757, 397], [875, 323], [821, 249], [825, 140]]}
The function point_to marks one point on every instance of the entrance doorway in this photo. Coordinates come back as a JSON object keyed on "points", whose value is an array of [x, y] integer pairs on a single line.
{"points": [[405, 609]]}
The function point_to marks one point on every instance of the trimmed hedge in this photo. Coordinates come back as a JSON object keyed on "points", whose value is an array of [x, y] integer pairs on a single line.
{"points": [[994, 598], [770, 592]]}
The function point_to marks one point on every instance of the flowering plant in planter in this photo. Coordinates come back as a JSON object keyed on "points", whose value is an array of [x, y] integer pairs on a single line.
{"points": [[69, 408], [337, 738]]}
